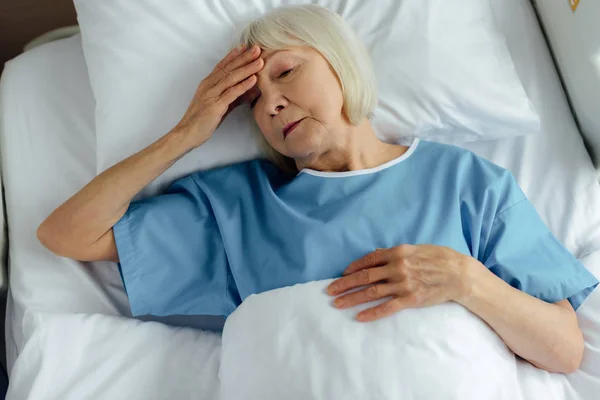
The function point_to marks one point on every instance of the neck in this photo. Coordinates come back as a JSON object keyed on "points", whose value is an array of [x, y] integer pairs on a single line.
{"points": [[358, 148]]}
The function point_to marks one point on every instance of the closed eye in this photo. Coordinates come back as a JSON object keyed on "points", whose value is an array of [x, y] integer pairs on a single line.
{"points": [[282, 75], [285, 73]]}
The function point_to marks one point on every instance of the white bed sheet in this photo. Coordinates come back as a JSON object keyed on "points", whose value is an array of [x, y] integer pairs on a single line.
{"points": [[48, 153]]}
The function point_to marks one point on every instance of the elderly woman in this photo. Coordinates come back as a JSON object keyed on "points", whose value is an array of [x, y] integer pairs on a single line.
{"points": [[417, 225]]}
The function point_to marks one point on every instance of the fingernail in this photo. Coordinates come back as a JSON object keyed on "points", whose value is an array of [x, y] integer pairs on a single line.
{"points": [[338, 303]]}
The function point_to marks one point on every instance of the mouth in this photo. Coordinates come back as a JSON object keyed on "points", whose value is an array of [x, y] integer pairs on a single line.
{"points": [[290, 127]]}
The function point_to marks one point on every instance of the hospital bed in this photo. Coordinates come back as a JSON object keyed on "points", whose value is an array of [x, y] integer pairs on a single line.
{"points": [[48, 153]]}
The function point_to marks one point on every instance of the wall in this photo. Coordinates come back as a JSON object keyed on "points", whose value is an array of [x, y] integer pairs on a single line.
{"points": [[575, 40]]}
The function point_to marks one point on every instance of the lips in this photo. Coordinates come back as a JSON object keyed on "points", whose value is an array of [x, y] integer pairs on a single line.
{"points": [[290, 127]]}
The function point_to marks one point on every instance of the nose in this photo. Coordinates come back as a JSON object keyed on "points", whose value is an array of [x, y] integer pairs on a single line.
{"points": [[275, 101], [276, 104], [277, 110]]}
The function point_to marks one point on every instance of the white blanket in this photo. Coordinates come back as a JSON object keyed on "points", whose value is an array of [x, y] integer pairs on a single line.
{"points": [[296, 345], [301, 347], [291, 343]]}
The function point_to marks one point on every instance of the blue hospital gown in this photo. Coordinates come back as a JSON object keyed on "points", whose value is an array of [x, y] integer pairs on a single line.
{"points": [[215, 237]]}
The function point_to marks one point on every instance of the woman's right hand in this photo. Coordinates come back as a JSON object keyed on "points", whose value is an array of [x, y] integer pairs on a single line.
{"points": [[82, 227], [219, 93]]}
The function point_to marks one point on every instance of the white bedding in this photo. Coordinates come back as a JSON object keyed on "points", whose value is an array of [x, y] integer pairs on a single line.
{"points": [[107, 357], [553, 167], [304, 348], [48, 153], [301, 347]]}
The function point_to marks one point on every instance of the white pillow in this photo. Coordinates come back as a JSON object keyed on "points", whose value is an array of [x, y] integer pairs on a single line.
{"points": [[78, 356], [444, 72], [301, 347]]}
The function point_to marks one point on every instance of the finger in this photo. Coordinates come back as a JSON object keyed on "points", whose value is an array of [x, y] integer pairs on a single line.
{"points": [[237, 76], [372, 293], [232, 55], [384, 310], [360, 278], [241, 59], [373, 259], [231, 94], [244, 58]]}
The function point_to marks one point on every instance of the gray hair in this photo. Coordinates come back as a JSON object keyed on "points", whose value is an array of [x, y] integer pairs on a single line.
{"points": [[329, 34]]}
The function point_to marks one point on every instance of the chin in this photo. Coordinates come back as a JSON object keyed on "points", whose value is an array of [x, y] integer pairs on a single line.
{"points": [[302, 143], [300, 147]]}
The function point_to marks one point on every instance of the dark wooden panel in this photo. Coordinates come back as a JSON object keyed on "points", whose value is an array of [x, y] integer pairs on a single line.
{"points": [[23, 20]]}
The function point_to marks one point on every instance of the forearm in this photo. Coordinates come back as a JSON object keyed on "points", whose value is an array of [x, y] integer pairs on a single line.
{"points": [[545, 334], [94, 210]]}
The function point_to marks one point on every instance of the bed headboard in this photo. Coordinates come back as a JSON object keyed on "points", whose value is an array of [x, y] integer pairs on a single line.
{"points": [[574, 37]]}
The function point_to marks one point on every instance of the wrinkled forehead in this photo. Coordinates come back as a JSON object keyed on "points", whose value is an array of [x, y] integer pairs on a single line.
{"points": [[268, 54], [273, 56]]}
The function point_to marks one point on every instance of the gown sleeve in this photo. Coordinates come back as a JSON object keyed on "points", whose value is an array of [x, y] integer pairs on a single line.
{"points": [[172, 257], [523, 252]]}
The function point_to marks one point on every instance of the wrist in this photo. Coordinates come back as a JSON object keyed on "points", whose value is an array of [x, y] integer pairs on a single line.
{"points": [[181, 140], [471, 275], [167, 150]]}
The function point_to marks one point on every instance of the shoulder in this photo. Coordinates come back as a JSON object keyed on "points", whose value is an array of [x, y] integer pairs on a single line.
{"points": [[466, 163], [465, 160], [246, 169], [475, 176], [233, 178]]}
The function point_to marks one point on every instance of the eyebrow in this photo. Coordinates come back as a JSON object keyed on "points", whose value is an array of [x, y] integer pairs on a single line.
{"points": [[272, 54]]}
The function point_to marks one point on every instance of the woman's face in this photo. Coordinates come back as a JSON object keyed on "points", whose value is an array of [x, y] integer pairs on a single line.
{"points": [[297, 83]]}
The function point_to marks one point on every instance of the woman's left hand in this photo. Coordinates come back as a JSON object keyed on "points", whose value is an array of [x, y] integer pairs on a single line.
{"points": [[412, 275]]}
